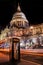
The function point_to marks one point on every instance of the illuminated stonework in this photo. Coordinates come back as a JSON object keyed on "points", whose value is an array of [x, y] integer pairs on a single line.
{"points": [[30, 36], [19, 23], [19, 19], [36, 29], [4, 33]]}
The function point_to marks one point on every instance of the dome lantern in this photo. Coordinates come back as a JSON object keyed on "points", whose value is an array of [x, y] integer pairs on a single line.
{"points": [[18, 8]]}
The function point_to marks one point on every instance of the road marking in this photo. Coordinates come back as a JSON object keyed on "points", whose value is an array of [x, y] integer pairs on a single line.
{"points": [[31, 62]]}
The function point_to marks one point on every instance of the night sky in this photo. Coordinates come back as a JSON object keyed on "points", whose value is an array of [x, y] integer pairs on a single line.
{"points": [[33, 9]]}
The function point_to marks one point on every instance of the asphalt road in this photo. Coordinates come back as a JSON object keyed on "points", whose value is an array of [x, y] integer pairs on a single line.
{"points": [[34, 57], [26, 56], [25, 60]]}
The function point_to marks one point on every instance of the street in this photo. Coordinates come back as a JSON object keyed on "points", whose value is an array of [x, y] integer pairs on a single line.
{"points": [[32, 59], [34, 56], [27, 57]]}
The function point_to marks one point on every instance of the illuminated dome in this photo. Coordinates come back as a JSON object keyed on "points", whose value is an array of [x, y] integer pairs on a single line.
{"points": [[19, 19]]}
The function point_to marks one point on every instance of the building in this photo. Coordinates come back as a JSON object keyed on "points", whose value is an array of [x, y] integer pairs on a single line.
{"points": [[30, 36], [19, 24]]}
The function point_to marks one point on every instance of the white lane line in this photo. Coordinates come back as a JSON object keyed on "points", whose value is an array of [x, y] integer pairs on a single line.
{"points": [[30, 62]]}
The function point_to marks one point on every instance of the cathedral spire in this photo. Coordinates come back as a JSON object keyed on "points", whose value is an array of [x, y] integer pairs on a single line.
{"points": [[18, 8]]}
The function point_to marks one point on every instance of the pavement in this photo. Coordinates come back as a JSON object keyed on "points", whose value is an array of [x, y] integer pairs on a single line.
{"points": [[24, 62], [4, 55], [4, 58], [8, 63]]}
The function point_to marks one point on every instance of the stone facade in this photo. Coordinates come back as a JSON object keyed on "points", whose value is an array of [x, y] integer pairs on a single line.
{"points": [[36, 29], [30, 36]]}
